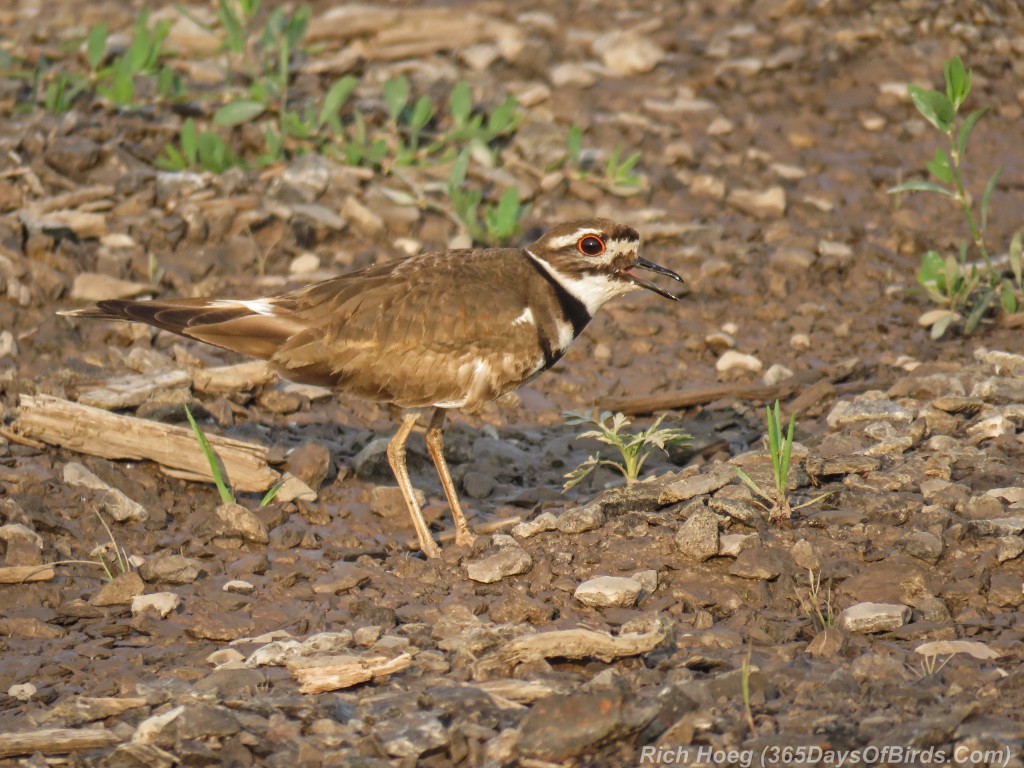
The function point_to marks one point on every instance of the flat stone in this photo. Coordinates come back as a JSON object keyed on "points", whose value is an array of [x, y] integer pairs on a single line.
{"points": [[848, 412], [160, 602], [310, 462], [731, 544], [867, 618], [388, 501], [511, 561], [171, 569], [762, 204], [832, 466], [236, 520], [580, 519], [731, 360], [120, 591], [609, 591], [1000, 526], [697, 485], [412, 735], [924, 545], [1000, 391], [828, 643], [545, 521], [627, 52], [697, 538], [762, 563], [1010, 548]]}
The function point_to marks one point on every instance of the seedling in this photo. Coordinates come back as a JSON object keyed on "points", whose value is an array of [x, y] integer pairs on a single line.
{"points": [[745, 689], [780, 447], [618, 172], [816, 605], [633, 448], [226, 496], [202, 149], [484, 222], [959, 286], [121, 560]]}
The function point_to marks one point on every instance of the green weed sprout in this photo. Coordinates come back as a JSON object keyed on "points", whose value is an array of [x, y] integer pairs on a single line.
{"points": [[226, 496], [633, 448], [949, 280], [780, 448]]}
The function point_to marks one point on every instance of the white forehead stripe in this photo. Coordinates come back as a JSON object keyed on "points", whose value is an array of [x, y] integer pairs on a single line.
{"points": [[257, 306]]}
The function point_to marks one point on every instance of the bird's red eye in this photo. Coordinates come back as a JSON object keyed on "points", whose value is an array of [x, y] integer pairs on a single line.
{"points": [[591, 246]]}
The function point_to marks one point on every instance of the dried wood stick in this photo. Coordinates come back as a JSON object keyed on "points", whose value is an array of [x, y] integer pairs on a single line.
{"points": [[113, 436]]}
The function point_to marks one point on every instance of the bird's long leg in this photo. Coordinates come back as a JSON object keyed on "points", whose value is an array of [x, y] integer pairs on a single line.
{"points": [[396, 458], [464, 535]]}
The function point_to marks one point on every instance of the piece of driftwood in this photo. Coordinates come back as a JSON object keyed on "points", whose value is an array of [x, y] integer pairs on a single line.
{"points": [[97, 432], [17, 574], [330, 673], [708, 393], [55, 741], [581, 644]]}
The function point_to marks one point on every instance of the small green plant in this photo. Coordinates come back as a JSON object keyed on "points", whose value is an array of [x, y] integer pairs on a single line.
{"points": [[618, 170], [633, 448], [206, 150], [121, 560], [951, 281], [226, 496], [617, 176], [492, 224], [780, 448], [816, 605]]}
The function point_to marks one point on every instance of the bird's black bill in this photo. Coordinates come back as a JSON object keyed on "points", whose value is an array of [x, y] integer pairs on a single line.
{"points": [[650, 266]]}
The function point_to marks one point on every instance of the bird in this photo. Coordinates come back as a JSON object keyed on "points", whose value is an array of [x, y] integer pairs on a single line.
{"points": [[446, 330]]}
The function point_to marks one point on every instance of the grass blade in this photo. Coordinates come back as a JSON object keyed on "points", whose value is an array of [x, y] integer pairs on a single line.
{"points": [[211, 458]]}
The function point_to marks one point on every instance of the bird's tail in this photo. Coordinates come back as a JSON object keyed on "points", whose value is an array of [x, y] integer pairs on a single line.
{"points": [[255, 327]]}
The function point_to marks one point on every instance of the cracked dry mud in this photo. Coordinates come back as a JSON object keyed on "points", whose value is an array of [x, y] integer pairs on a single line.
{"points": [[605, 627]]}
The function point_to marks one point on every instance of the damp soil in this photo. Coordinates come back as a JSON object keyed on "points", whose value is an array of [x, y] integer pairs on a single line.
{"points": [[886, 614]]}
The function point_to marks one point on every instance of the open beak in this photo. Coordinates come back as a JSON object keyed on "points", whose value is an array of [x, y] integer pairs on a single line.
{"points": [[650, 266]]}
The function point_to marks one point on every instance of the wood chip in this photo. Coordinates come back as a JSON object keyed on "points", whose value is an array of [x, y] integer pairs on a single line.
{"points": [[581, 644], [330, 673], [55, 741], [97, 432], [19, 574], [131, 391], [233, 378]]}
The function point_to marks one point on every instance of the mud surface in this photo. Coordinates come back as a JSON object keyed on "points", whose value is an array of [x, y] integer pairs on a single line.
{"points": [[886, 614]]}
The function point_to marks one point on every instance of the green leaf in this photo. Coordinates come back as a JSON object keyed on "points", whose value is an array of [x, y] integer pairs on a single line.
{"points": [[396, 96], [238, 112], [967, 128], [939, 166], [211, 458], [421, 114], [1007, 298], [460, 103], [504, 118], [920, 186], [958, 81], [933, 106], [190, 141], [986, 196], [978, 311], [932, 267], [505, 220], [337, 95], [234, 34], [171, 159], [96, 45], [1015, 259]]}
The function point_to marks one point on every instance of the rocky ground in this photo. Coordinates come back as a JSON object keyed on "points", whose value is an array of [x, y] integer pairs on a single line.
{"points": [[665, 623]]}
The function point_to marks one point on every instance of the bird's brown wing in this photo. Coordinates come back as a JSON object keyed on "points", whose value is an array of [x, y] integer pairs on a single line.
{"points": [[442, 329]]}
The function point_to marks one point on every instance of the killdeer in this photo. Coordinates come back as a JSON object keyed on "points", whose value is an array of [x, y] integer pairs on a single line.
{"points": [[454, 329]]}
